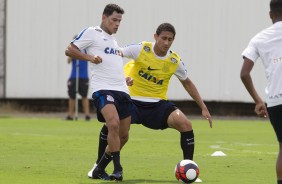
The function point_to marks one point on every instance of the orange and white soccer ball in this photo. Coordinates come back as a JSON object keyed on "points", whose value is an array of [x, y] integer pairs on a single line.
{"points": [[186, 171]]}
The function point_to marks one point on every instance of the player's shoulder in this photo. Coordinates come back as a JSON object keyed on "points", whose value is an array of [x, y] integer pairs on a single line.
{"points": [[261, 36], [173, 57], [95, 29], [92, 33], [174, 54], [146, 43], [147, 46], [131, 47]]}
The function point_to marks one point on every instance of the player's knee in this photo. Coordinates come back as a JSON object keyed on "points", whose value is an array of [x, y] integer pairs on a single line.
{"points": [[71, 95], [187, 126], [112, 124], [112, 120], [183, 125], [83, 95], [113, 127]]}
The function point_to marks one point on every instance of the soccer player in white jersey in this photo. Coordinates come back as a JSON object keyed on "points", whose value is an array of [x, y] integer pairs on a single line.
{"points": [[151, 70], [110, 93], [268, 46]]}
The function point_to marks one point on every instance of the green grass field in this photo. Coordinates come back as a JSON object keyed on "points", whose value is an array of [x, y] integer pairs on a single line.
{"points": [[55, 151]]}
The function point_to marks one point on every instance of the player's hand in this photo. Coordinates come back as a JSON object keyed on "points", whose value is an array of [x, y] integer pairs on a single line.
{"points": [[69, 59], [96, 60], [261, 110], [129, 81], [207, 116]]}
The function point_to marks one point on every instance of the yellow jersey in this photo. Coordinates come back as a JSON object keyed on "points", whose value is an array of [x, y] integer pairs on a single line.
{"points": [[150, 74]]}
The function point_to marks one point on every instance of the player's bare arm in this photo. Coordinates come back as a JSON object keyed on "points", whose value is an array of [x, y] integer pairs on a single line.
{"points": [[73, 52], [193, 92], [246, 78]]}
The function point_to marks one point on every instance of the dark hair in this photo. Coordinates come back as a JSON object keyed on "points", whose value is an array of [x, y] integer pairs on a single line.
{"points": [[166, 27], [276, 7], [110, 8]]}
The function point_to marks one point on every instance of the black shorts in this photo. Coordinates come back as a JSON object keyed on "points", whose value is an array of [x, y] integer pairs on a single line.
{"points": [[121, 100], [275, 116], [153, 115], [82, 87]]}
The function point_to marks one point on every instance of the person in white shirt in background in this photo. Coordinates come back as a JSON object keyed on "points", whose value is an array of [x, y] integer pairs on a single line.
{"points": [[268, 46]]}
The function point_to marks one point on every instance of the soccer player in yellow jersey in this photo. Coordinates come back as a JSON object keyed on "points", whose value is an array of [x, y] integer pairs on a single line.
{"points": [[151, 70]]}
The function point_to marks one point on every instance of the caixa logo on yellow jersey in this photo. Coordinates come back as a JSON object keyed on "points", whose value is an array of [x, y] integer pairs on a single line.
{"points": [[109, 50], [149, 76]]}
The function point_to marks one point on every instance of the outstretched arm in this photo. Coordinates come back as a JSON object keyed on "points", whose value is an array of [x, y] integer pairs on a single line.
{"points": [[193, 92], [246, 78]]}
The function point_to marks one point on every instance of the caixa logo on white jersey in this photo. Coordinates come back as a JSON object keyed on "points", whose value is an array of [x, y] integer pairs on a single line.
{"points": [[109, 50]]}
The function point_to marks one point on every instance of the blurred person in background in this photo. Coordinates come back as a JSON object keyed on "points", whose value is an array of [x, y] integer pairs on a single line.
{"points": [[79, 73]]}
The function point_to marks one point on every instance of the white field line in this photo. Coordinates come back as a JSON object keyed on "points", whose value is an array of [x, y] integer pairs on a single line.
{"points": [[219, 147]]}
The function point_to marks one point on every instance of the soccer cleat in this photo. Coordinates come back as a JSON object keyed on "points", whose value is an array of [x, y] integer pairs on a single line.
{"points": [[89, 174], [117, 176], [87, 118], [69, 118], [100, 174]]}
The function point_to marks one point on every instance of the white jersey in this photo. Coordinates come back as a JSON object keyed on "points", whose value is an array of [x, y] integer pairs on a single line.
{"points": [[109, 74], [268, 46], [133, 51]]}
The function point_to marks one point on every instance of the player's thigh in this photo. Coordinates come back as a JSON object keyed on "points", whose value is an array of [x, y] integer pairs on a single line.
{"points": [[153, 115], [124, 105], [125, 124], [178, 120], [120, 105], [110, 114], [124, 128], [100, 100]]}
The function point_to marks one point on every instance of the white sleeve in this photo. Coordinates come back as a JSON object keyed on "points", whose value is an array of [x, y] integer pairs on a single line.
{"points": [[251, 51], [132, 51], [85, 38], [181, 71]]}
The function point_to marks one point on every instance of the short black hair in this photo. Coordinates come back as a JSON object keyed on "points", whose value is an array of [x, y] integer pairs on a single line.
{"points": [[110, 8], [276, 7], [166, 27]]}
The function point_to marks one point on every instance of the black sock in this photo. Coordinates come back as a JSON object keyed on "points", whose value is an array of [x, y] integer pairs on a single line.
{"points": [[103, 142], [187, 144], [279, 181], [116, 160], [105, 160]]}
